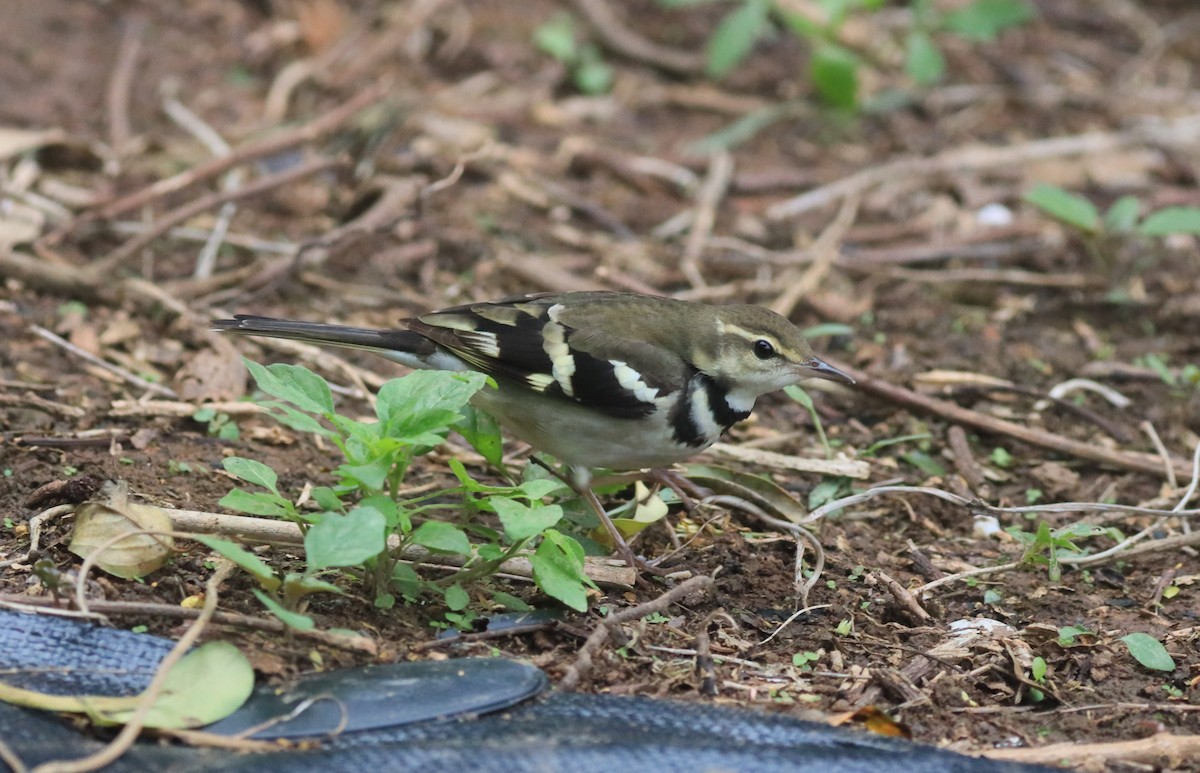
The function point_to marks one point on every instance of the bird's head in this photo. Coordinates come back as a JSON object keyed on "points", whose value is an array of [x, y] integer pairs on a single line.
{"points": [[755, 351]]}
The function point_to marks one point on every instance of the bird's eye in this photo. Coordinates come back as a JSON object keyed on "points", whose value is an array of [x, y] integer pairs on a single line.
{"points": [[763, 349]]}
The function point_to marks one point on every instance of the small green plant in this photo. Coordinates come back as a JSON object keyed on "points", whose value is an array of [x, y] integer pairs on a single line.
{"points": [[1120, 223], [1068, 635], [834, 67], [805, 660], [588, 70], [1186, 377], [1045, 546], [363, 526], [219, 425]]}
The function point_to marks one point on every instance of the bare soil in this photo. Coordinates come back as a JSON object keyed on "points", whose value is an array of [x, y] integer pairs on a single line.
{"points": [[482, 173]]}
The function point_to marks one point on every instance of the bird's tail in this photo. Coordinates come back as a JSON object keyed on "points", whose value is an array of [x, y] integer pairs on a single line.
{"points": [[403, 346]]}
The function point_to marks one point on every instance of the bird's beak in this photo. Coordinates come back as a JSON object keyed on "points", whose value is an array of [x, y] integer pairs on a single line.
{"points": [[818, 368]]}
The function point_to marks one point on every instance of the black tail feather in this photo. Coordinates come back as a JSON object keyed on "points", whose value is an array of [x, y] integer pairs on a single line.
{"points": [[404, 341]]}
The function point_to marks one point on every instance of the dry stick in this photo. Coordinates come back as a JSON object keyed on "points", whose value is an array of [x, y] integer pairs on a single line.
{"points": [[99, 608], [903, 597], [977, 158], [601, 571], [906, 398], [109, 263], [309, 132], [1162, 746], [824, 251], [716, 184], [121, 85], [628, 43], [217, 146], [116, 370], [133, 726], [583, 661]]}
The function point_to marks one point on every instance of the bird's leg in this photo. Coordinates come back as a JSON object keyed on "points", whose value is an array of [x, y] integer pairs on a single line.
{"points": [[580, 482], [622, 547]]}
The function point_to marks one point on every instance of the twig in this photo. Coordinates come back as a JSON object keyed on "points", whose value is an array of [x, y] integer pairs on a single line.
{"points": [[120, 86], [998, 276], [284, 140], [216, 145], [116, 370], [1171, 749], [824, 253], [907, 601], [1129, 460], [264, 530], [100, 608], [1163, 453], [712, 190], [803, 586], [977, 158], [626, 42], [110, 262], [133, 726], [851, 468], [42, 404], [605, 628]]}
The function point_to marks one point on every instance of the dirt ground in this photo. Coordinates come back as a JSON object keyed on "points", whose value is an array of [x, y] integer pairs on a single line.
{"points": [[477, 171]]}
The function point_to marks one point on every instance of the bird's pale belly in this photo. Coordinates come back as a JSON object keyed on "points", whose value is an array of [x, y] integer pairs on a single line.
{"points": [[583, 438]]}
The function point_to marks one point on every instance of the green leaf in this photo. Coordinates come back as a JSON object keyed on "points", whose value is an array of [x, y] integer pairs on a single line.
{"points": [[1067, 207], [521, 522], [1069, 633], [345, 540], [835, 74], [483, 433], [557, 38], [735, 36], [252, 564], [425, 400], [297, 420], [824, 492], [251, 471], [1149, 651], [254, 502], [456, 598], [592, 75], [558, 570], [924, 462], [297, 586], [1037, 669], [924, 62], [1122, 216], [209, 683], [327, 499], [510, 602], [295, 384], [371, 475], [1171, 220], [985, 19], [442, 537], [294, 619]]}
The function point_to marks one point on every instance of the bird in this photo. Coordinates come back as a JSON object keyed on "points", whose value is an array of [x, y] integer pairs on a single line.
{"points": [[596, 379]]}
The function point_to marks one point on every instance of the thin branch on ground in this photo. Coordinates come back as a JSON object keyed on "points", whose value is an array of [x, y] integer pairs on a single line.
{"points": [[116, 370], [1175, 133], [113, 260], [112, 751], [583, 660], [284, 140], [906, 398], [120, 86]]}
